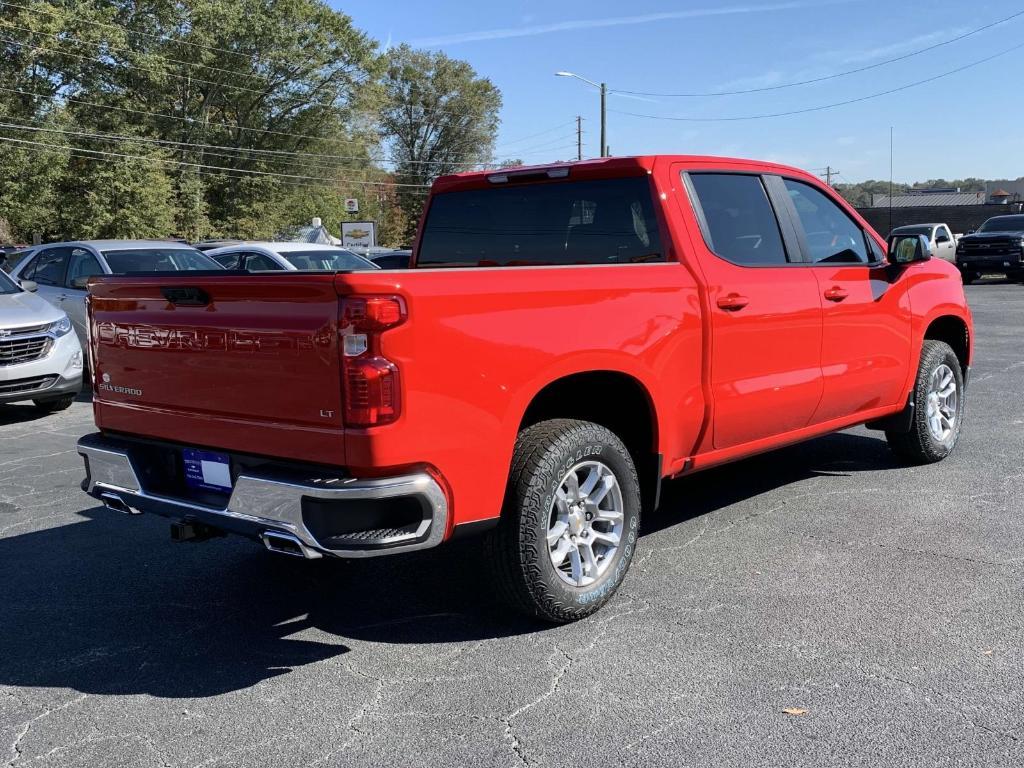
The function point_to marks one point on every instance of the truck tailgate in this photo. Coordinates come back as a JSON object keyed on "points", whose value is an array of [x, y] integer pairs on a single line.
{"points": [[244, 363]]}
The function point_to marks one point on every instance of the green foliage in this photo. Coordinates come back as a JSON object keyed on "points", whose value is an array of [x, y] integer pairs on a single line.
{"points": [[861, 195], [202, 118], [439, 117]]}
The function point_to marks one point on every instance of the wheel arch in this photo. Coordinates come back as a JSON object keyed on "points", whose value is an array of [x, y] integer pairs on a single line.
{"points": [[954, 331], [616, 400]]}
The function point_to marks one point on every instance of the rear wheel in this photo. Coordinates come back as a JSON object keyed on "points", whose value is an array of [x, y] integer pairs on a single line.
{"points": [[54, 405], [939, 407], [569, 526]]}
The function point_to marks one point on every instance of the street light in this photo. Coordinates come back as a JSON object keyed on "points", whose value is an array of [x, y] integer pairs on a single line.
{"points": [[601, 87]]}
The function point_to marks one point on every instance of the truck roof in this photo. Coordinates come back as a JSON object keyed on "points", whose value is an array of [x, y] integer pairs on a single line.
{"points": [[602, 166]]}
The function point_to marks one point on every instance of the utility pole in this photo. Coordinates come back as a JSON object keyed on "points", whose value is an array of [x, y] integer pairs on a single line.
{"points": [[828, 174], [579, 137], [604, 143]]}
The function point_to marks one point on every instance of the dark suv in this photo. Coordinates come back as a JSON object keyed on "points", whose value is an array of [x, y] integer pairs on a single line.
{"points": [[997, 247]]}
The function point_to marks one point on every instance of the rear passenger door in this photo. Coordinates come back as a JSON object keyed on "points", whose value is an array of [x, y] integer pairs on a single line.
{"points": [[865, 347], [765, 313], [82, 264]]}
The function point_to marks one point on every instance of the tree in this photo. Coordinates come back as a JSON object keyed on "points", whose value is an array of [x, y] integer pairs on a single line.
{"points": [[439, 117]]}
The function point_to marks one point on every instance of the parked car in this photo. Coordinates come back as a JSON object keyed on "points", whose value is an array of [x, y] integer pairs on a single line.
{"points": [[393, 259], [583, 332], [62, 270], [40, 357], [940, 239], [996, 248], [209, 245], [288, 257]]}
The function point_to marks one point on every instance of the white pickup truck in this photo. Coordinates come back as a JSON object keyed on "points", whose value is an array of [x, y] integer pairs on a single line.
{"points": [[939, 235]]}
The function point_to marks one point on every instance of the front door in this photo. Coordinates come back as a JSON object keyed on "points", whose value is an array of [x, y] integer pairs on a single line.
{"points": [[766, 320], [865, 347], [47, 270]]}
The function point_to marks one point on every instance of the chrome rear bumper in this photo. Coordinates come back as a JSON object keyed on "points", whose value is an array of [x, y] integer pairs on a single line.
{"points": [[272, 503]]}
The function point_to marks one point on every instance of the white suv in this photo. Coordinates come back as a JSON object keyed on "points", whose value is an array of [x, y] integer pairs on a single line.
{"points": [[40, 357]]}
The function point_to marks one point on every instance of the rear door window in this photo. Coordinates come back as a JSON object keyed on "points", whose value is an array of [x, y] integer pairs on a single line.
{"points": [[257, 262], [739, 221], [83, 263], [606, 221]]}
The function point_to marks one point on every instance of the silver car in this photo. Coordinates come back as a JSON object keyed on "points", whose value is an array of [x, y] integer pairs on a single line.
{"points": [[939, 237], [40, 358], [61, 270], [289, 257]]}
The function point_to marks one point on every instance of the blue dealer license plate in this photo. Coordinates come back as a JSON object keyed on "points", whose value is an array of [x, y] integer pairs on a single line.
{"points": [[206, 470]]}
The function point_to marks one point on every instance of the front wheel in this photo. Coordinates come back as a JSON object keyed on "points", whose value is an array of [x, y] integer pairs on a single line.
{"points": [[969, 277], [939, 407], [55, 404], [570, 521]]}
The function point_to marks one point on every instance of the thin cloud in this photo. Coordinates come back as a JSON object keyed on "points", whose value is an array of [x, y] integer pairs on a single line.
{"points": [[615, 21], [864, 55]]}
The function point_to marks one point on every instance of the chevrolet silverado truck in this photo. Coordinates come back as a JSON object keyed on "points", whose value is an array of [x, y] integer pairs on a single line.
{"points": [[568, 338], [996, 248]]}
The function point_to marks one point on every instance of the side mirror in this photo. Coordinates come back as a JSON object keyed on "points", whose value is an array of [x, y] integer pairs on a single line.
{"points": [[29, 285], [81, 282], [906, 249], [941, 239]]}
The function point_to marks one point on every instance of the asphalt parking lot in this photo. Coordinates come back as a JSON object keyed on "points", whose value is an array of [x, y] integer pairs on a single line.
{"points": [[881, 605]]}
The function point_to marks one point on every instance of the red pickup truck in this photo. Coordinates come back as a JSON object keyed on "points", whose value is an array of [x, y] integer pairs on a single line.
{"points": [[570, 336]]}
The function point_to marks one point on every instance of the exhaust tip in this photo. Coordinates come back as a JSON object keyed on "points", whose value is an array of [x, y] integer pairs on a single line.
{"points": [[287, 544], [114, 502]]}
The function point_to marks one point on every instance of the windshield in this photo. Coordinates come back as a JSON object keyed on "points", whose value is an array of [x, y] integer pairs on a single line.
{"points": [[1004, 224], [158, 260], [7, 285], [926, 231], [328, 261]]}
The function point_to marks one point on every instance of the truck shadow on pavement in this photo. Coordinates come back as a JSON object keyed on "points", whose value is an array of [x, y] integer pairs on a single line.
{"points": [[109, 605]]}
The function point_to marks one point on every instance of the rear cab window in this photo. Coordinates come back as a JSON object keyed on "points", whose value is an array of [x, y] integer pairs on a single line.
{"points": [[601, 221]]}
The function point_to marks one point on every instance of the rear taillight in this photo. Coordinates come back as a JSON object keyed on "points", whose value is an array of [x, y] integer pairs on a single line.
{"points": [[373, 395]]}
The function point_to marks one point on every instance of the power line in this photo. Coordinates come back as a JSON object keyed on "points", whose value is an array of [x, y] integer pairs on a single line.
{"points": [[232, 153], [241, 150], [832, 76], [190, 120], [824, 106], [218, 167], [74, 152]]}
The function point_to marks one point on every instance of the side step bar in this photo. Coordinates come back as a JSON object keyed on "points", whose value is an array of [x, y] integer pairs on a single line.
{"points": [[287, 544]]}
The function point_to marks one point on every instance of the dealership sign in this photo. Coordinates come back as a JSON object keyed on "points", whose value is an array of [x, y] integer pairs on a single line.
{"points": [[359, 234]]}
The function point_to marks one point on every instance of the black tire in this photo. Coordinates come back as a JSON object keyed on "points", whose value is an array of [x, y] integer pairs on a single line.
{"points": [[56, 404], [518, 548], [969, 277], [920, 445]]}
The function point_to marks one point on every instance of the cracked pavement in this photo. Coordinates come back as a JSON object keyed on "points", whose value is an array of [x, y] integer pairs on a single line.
{"points": [[884, 600]]}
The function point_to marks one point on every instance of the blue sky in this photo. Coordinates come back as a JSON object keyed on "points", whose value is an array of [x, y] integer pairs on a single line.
{"points": [[967, 124]]}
